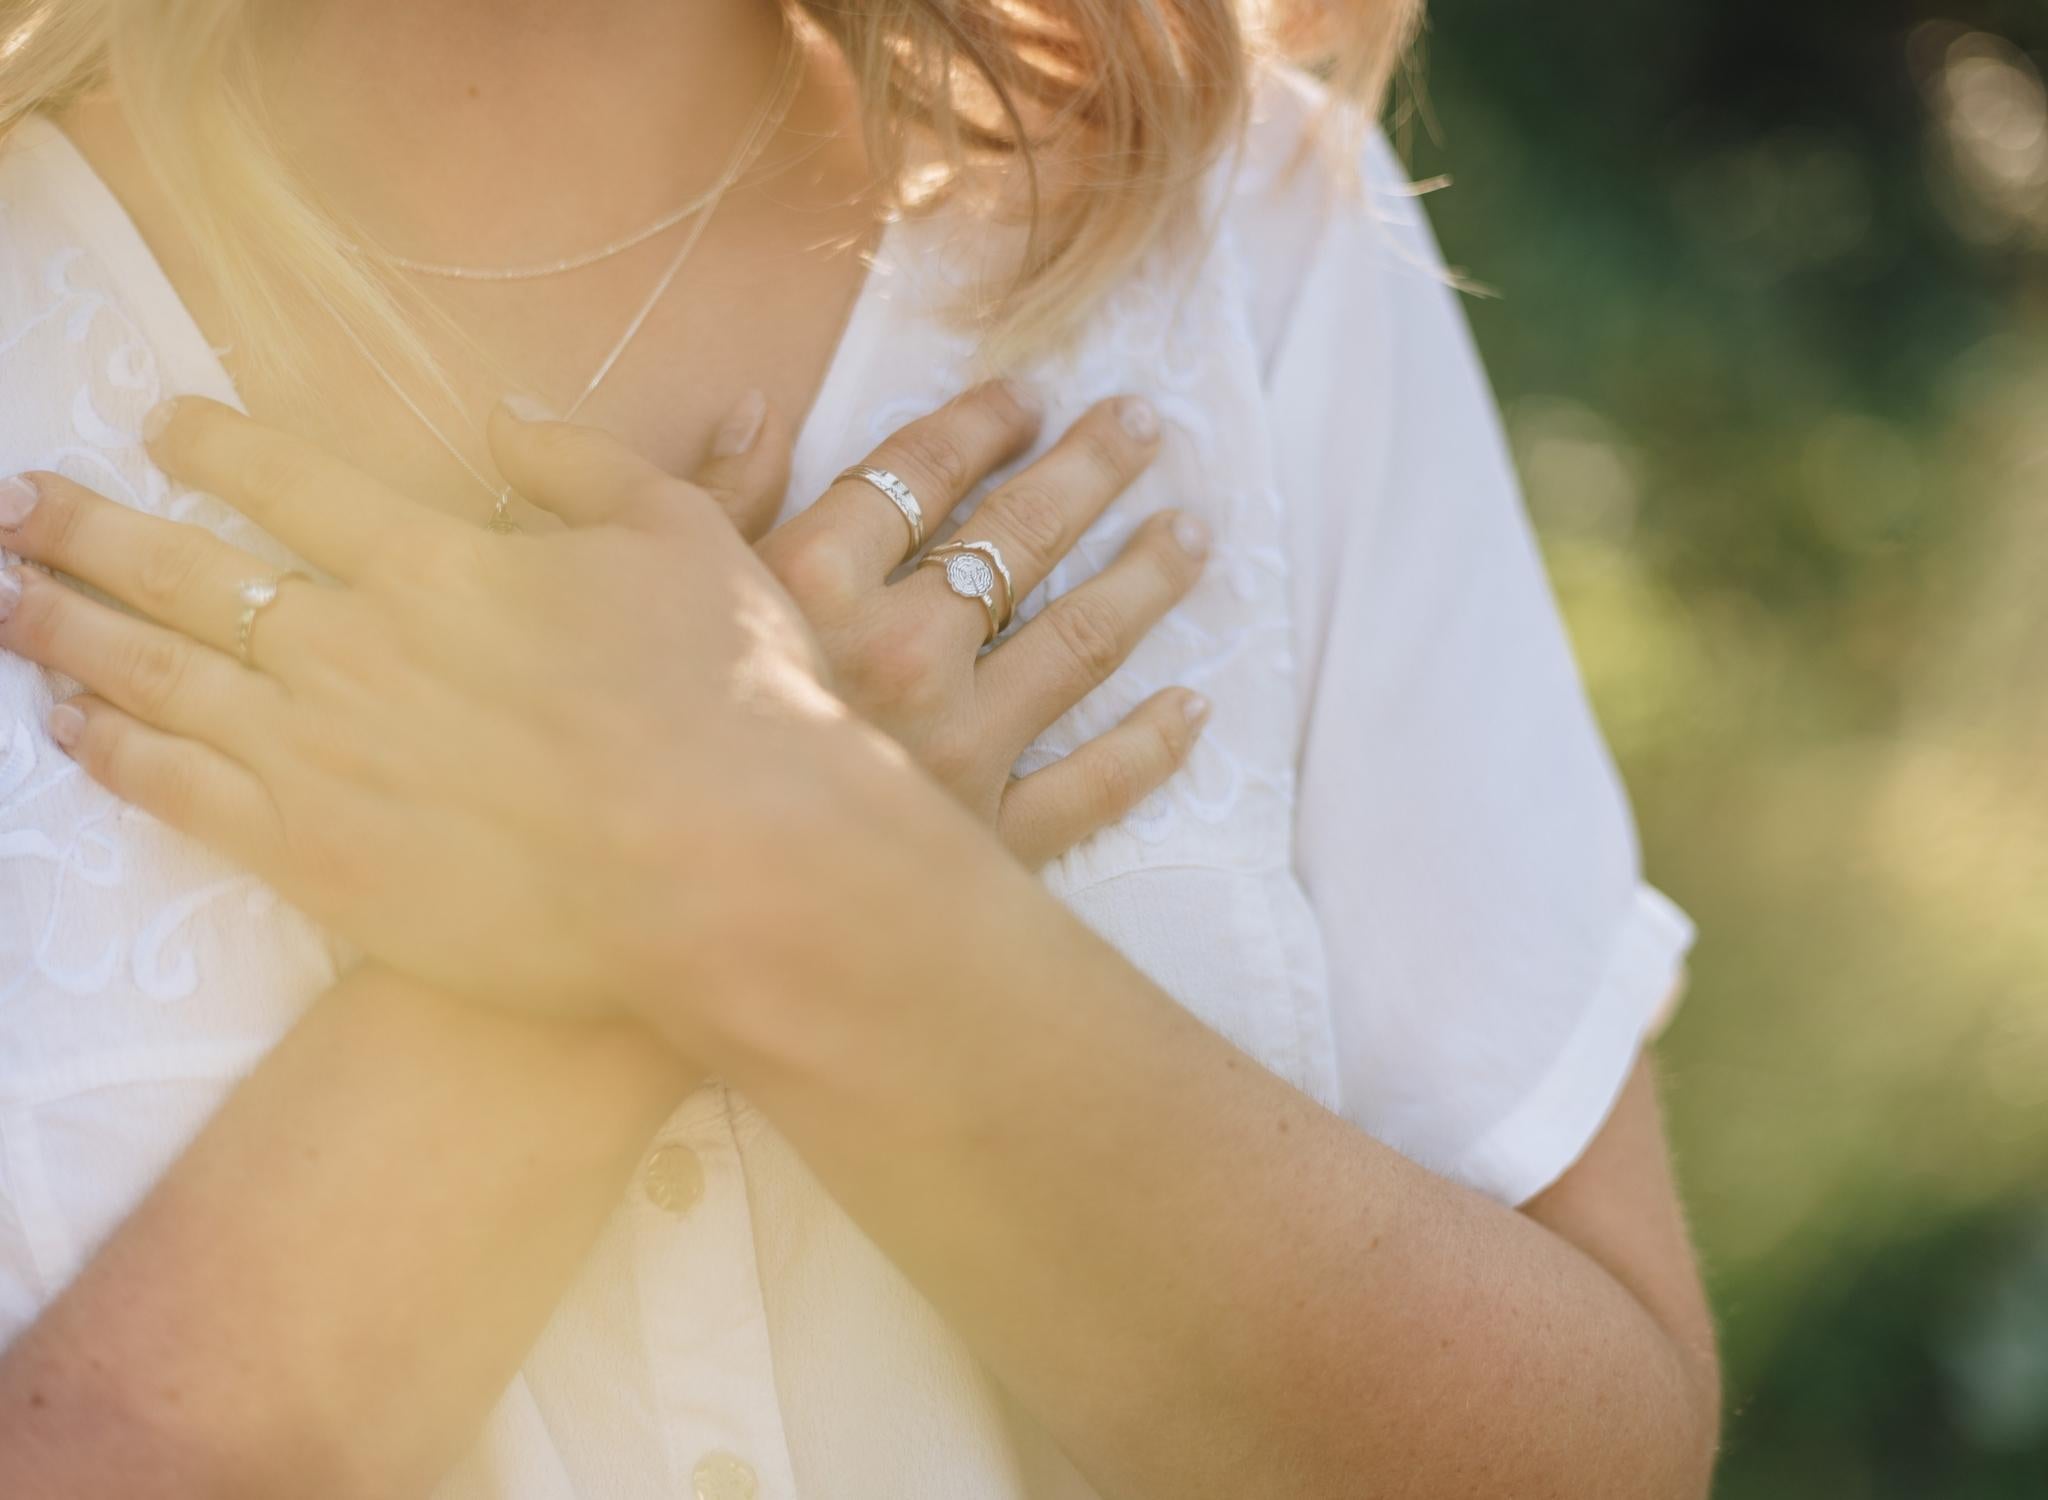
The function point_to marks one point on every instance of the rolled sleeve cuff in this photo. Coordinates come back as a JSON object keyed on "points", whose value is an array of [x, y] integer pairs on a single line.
{"points": [[1558, 1118]]}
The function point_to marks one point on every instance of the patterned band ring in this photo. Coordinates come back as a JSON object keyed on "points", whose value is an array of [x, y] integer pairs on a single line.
{"points": [[898, 494], [257, 595]]}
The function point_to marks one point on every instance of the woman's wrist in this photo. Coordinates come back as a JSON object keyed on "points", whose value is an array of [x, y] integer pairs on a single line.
{"points": [[839, 898]]}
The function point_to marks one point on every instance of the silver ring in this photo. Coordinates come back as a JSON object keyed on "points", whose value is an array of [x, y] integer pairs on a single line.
{"points": [[973, 571], [257, 595], [898, 494]]}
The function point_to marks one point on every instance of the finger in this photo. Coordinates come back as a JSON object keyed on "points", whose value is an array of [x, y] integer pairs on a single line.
{"points": [[194, 789], [179, 574], [155, 674], [747, 469], [584, 476], [1076, 641], [853, 537], [1036, 517], [1048, 812], [328, 512]]}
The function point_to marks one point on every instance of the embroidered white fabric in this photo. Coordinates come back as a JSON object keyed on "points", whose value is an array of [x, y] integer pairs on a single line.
{"points": [[1400, 869]]}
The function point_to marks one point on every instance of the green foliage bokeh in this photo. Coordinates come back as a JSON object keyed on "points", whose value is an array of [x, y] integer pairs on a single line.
{"points": [[1768, 318]]}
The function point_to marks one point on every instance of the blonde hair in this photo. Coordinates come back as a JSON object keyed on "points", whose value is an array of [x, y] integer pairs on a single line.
{"points": [[1101, 117]]}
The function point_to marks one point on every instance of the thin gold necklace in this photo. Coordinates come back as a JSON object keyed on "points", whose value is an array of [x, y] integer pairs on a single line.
{"points": [[761, 131], [538, 270], [450, 271]]}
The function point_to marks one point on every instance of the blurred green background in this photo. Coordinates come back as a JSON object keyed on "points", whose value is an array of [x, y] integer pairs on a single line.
{"points": [[1771, 335]]}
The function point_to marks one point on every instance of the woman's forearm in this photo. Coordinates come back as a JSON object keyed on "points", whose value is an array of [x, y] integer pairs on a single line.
{"points": [[331, 1286], [1204, 1283]]}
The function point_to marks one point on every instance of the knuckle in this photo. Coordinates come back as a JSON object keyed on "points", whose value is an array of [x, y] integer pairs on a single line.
{"points": [[998, 403], [1103, 456], [154, 670], [949, 753], [934, 454], [162, 785], [167, 568], [57, 519], [901, 664], [811, 565], [1034, 516], [181, 442], [1114, 783], [106, 754], [1092, 633], [325, 862], [33, 625], [1160, 750], [167, 787], [90, 749]]}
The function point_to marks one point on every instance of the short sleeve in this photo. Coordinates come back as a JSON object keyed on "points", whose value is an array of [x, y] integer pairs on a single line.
{"points": [[1496, 960]]}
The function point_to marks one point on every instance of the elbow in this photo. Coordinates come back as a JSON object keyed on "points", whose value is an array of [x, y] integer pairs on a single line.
{"points": [[1708, 1451], [1695, 1448]]}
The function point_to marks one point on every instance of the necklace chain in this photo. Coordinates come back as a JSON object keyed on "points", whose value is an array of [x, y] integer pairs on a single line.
{"points": [[756, 139], [538, 270]]}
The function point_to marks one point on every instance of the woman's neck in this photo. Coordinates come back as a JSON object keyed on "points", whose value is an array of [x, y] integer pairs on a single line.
{"points": [[496, 129], [463, 130]]}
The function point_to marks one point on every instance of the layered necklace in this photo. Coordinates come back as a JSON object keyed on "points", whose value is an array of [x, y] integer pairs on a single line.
{"points": [[698, 211]]}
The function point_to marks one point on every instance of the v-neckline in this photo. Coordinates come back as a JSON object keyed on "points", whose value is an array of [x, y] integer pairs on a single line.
{"points": [[194, 367]]}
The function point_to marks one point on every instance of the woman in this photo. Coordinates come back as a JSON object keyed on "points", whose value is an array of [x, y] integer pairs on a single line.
{"points": [[1434, 1250]]}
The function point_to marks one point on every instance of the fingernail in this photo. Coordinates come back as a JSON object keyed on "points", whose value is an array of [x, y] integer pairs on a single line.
{"points": [[1191, 534], [1140, 418], [158, 419], [10, 590], [742, 425], [67, 722], [18, 496], [1027, 400], [521, 407], [1196, 709]]}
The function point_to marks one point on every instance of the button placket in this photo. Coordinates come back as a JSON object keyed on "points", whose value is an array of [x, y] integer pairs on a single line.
{"points": [[704, 1325]]}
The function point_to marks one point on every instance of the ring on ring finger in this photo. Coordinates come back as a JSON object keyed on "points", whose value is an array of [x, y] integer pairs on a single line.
{"points": [[976, 570]]}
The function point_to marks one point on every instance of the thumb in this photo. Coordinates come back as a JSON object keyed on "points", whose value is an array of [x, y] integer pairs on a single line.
{"points": [[746, 469]]}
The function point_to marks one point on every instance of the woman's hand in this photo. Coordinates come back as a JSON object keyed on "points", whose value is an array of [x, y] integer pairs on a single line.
{"points": [[503, 764], [904, 655], [555, 768]]}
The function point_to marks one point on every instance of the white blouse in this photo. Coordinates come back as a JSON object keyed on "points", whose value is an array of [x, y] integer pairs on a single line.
{"points": [[1399, 870]]}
